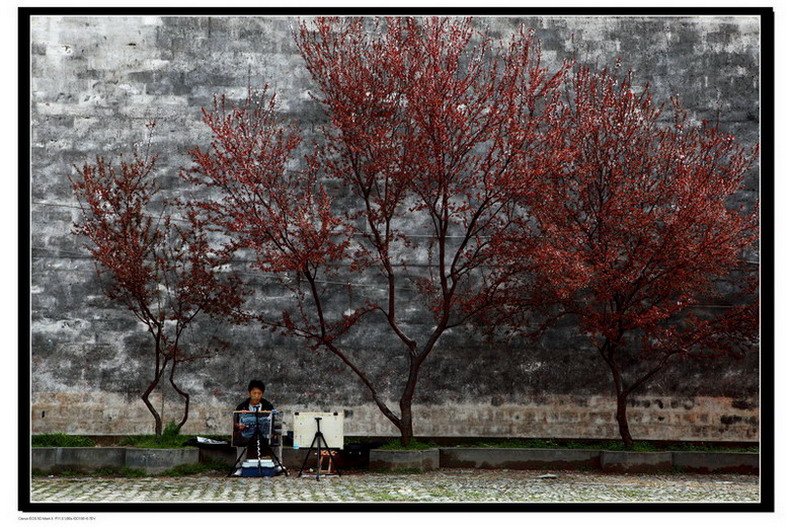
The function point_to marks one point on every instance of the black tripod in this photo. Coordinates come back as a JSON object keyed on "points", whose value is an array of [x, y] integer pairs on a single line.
{"points": [[319, 438], [258, 439]]}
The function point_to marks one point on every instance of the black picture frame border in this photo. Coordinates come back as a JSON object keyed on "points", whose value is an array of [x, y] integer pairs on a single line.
{"points": [[767, 358]]}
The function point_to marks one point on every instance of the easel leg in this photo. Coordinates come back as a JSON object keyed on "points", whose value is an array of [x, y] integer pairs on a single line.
{"points": [[307, 457], [233, 468], [270, 450]]}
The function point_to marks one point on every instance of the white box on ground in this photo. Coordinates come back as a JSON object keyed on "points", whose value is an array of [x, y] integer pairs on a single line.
{"points": [[331, 428]]}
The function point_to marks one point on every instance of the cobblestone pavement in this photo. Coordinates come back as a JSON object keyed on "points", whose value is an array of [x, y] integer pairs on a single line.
{"points": [[440, 486]]}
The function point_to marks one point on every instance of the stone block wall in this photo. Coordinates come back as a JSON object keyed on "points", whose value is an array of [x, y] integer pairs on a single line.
{"points": [[97, 80]]}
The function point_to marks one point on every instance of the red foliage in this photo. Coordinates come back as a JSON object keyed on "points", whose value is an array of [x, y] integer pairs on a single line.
{"points": [[283, 216], [634, 225], [164, 274], [428, 121]]}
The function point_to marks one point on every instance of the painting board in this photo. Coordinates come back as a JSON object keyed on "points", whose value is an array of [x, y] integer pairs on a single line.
{"points": [[305, 428]]}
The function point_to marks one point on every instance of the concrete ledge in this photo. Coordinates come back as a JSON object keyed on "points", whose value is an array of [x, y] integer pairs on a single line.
{"points": [[152, 460], [157, 460], [618, 461], [405, 459], [43, 458], [89, 458], [713, 462], [520, 458], [78, 458]]}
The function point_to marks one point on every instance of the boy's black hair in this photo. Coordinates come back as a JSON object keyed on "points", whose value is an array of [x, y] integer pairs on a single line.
{"points": [[256, 384]]}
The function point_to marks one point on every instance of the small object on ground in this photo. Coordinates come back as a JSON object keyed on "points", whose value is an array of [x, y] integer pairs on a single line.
{"points": [[548, 476], [206, 442], [209, 441]]}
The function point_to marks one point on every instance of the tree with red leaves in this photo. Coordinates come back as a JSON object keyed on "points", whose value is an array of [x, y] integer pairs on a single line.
{"points": [[428, 120], [631, 225], [164, 274]]}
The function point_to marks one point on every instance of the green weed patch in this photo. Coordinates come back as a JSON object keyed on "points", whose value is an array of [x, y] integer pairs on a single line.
{"points": [[61, 440]]}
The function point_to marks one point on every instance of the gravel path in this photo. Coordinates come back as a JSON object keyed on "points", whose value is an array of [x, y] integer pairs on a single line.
{"points": [[441, 486]]}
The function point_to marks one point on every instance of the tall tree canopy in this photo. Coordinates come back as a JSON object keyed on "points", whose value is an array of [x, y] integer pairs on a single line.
{"points": [[631, 228], [427, 121]]}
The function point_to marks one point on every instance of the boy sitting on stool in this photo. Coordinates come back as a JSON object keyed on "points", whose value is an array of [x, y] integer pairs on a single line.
{"points": [[254, 403]]}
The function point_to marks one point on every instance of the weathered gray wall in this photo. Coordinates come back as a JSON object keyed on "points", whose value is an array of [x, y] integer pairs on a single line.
{"points": [[97, 80]]}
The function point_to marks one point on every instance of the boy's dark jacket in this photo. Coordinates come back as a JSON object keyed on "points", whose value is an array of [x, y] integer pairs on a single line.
{"points": [[265, 405]]}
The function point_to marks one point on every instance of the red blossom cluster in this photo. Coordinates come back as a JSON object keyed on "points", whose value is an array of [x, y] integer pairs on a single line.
{"points": [[163, 273], [632, 227]]}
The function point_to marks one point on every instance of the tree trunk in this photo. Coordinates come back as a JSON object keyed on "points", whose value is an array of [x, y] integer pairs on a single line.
{"points": [[182, 394], [406, 427], [622, 391], [622, 420], [157, 377], [157, 417]]}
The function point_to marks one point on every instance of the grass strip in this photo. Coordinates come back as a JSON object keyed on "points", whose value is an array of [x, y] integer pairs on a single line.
{"points": [[61, 440]]}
